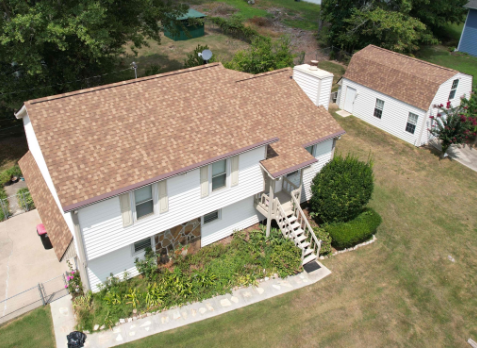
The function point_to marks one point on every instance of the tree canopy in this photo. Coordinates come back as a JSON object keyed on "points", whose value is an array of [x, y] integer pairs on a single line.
{"points": [[52, 42], [399, 25]]}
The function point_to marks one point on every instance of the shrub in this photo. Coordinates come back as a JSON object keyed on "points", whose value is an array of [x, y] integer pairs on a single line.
{"points": [[193, 58], [341, 190], [263, 55], [325, 238], [234, 27], [4, 204], [25, 201], [348, 234], [7, 174]]}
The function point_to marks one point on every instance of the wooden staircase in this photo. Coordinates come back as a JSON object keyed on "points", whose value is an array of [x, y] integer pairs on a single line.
{"points": [[292, 222]]}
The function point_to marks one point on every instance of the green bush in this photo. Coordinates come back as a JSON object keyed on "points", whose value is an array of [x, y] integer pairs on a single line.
{"points": [[193, 58], [234, 27], [325, 238], [263, 55], [341, 190], [25, 201], [348, 234], [7, 174], [3, 203]]}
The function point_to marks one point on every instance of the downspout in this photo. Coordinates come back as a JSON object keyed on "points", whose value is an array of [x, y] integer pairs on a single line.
{"points": [[83, 264], [270, 206]]}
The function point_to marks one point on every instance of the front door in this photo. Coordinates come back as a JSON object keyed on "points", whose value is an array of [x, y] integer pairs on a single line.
{"points": [[349, 100]]}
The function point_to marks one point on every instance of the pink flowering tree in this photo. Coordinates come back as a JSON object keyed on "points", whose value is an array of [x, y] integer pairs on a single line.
{"points": [[470, 111], [450, 126]]}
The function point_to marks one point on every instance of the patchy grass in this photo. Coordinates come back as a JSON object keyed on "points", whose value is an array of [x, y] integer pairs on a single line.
{"points": [[459, 61], [401, 291], [301, 15], [337, 70], [170, 54], [34, 329]]}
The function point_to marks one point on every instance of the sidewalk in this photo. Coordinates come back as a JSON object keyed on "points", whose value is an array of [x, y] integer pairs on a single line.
{"points": [[63, 317], [462, 154]]}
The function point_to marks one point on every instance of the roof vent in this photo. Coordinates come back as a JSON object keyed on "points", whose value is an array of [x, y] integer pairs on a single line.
{"points": [[313, 65]]}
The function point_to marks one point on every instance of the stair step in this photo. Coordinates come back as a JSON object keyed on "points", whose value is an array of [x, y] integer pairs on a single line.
{"points": [[310, 258], [304, 245], [299, 239], [297, 232], [295, 225], [308, 252], [292, 219]]}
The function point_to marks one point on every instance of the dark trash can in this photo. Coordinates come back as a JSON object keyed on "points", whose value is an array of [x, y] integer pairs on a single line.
{"points": [[41, 230], [76, 339]]}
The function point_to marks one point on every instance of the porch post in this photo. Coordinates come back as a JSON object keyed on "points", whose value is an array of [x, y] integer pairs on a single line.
{"points": [[301, 185], [270, 205], [83, 263]]}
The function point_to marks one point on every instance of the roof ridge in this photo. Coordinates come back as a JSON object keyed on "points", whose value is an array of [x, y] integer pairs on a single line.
{"points": [[401, 71], [267, 73], [120, 84], [411, 58]]}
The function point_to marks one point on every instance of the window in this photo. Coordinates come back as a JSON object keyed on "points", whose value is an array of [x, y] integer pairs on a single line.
{"points": [[455, 83], [211, 217], [142, 245], [311, 149], [144, 202], [411, 123], [378, 109], [219, 175]]}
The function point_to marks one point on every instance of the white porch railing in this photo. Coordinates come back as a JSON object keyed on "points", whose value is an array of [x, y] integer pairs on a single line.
{"points": [[315, 244]]}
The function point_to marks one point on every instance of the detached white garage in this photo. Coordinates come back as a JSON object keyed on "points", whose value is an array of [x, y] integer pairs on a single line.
{"points": [[396, 93]]}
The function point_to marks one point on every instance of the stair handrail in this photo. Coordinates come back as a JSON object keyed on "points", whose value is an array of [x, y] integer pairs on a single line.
{"points": [[281, 213], [314, 241]]}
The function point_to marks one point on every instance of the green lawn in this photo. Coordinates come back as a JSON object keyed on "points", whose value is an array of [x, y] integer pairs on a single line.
{"points": [[458, 61], [34, 330], [402, 291]]}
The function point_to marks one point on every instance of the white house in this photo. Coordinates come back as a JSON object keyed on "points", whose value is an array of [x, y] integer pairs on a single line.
{"points": [[397, 93], [184, 157]]}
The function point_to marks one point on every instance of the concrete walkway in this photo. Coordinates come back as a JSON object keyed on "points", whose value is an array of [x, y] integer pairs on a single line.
{"points": [[63, 317], [23, 264], [464, 155]]}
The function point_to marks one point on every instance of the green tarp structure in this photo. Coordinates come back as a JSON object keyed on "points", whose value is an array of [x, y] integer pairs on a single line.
{"points": [[193, 29]]}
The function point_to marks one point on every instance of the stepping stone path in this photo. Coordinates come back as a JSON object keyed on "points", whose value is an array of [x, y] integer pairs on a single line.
{"points": [[146, 324]]}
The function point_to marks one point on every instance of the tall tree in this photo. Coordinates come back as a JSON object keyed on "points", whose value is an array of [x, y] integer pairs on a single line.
{"points": [[51, 42]]}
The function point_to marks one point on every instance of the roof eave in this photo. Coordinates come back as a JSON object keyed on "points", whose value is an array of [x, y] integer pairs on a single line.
{"points": [[184, 170]]}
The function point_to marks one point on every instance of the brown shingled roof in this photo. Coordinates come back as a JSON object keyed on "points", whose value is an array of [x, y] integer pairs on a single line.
{"points": [[51, 217], [103, 141], [408, 79]]}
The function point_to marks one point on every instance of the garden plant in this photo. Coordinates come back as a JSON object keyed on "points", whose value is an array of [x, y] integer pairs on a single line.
{"points": [[213, 270]]}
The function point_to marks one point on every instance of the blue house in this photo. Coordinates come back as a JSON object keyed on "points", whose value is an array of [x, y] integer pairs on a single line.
{"points": [[468, 39]]}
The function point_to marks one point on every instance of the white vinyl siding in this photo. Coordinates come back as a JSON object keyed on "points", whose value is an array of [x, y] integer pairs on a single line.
{"points": [[316, 85], [235, 217], [394, 116], [463, 89], [102, 224], [323, 153]]}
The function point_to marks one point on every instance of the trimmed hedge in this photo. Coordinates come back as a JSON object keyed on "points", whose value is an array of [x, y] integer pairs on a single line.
{"points": [[348, 234], [341, 190]]}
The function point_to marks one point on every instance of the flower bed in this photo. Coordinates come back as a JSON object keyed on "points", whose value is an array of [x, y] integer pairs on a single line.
{"points": [[213, 270]]}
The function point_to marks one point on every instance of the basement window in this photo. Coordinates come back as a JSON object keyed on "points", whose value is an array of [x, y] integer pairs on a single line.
{"points": [[378, 109], [411, 123], [142, 245], [211, 216], [219, 175], [453, 91]]}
